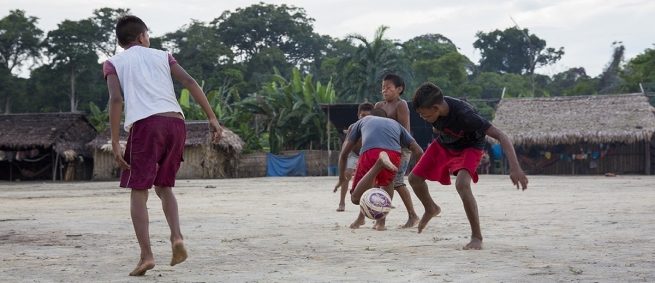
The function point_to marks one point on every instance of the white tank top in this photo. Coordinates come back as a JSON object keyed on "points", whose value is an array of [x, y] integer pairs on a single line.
{"points": [[145, 77]]}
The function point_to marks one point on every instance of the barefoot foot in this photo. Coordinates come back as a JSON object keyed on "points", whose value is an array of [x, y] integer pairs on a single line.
{"points": [[357, 223], [342, 207], [179, 253], [475, 244], [383, 158], [412, 221], [429, 214], [142, 267], [380, 225]]}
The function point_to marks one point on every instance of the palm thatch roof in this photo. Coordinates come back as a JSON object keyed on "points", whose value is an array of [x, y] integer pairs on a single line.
{"points": [[569, 120], [64, 131], [197, 133]]}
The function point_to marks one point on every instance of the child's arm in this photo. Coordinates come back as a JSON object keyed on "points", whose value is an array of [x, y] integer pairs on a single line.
{"points": [[402, 112], [416, 150], [115, 113], [189, 83], [516, 174], [343, 160]]}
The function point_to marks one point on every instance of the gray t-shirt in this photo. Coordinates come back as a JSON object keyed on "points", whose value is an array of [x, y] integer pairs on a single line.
{"points": [[379, 132]]}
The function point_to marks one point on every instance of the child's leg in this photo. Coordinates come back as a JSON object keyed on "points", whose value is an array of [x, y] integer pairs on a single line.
{"points": [[368, 180], [169, 205], [361, 220], [344, 190], [380, 223], [403, 192], [420, 188], [140, 221], [406, 197], [463, 185]]}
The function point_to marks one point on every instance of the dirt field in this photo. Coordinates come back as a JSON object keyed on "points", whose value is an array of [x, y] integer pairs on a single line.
{"points": [[563, 229]]}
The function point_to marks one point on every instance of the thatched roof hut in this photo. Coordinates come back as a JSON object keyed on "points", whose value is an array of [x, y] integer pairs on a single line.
{"points": [[568, 120], [31, 138], [599, 133], [61, 131], [202, 159]]}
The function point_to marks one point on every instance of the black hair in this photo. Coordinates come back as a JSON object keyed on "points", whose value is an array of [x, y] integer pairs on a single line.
{"points": [[426, 95], [379, 112], [396, 80], [128, 28], [366, 106]]}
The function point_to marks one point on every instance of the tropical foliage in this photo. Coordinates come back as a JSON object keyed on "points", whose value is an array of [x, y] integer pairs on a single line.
{"points": [[266, 71]]}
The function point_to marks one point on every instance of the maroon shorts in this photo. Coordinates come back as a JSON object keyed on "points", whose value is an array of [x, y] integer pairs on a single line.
{"points": [[154, 152], [366, 162], [437, 163]]}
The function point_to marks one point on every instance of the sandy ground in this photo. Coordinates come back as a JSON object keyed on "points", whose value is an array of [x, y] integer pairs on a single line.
{"points": [[563, 229]]}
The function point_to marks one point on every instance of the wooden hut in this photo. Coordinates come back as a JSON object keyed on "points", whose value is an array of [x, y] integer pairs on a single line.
{"points": [[202, 159], [596, 134], [45, 146]]}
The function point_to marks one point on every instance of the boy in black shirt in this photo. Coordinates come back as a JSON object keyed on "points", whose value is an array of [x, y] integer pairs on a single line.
{"points": [[457, 149]]}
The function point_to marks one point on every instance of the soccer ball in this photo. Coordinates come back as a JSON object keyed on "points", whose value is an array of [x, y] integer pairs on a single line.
{"points": [[375, 203]]}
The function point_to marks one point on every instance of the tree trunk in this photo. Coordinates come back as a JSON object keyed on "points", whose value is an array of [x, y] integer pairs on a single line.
{"points": [[8, 104], [72, 90]]}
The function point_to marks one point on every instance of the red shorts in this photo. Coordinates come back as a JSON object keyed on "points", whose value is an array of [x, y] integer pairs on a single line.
{"points": [[154, 152], [366, 162], [437, 163]]}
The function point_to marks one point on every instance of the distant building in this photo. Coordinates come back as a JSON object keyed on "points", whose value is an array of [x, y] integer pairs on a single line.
{"points": [[580, 135], [202, 159], [45, 146]]}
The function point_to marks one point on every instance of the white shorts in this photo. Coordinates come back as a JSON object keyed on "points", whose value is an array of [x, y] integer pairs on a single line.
{"points": [[352, 160]]}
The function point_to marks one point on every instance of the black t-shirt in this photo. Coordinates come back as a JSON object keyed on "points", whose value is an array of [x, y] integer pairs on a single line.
{"points": [[463, 128]]}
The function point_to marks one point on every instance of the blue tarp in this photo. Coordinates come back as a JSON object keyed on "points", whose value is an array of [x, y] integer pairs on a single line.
{"points": [[277, 166], [498, 151]]}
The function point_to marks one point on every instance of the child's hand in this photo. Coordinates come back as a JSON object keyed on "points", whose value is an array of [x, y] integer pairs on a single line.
{"points": [[215, 130], [518, 176], [118, 156]]}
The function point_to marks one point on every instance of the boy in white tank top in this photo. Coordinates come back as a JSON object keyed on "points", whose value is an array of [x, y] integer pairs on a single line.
{"points": [[157, 132]]}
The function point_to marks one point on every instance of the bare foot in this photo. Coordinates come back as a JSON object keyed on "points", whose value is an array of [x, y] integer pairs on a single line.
{"points": [[357, 223], [179, 253], [429, 213], [379, 224], [142, 267], [475, 244], [383, 158], [342, 207], [412, 221]]}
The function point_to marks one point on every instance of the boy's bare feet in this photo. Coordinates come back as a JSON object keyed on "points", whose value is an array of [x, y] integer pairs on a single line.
{"points": [[342, 207], [142, 267], [179, 253], [384, 160], [379, 225], [475, 244], [412, 221], [357, 223], [429, 213]]}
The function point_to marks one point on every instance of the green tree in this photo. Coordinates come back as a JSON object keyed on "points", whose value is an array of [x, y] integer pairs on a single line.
{"points": [[448, 72], [20, 43], [428, 47], [288, 112], [72, 51], [252, 29], [104, 19], [361, 73], [514, 51], [196, 47], [640, 70]]}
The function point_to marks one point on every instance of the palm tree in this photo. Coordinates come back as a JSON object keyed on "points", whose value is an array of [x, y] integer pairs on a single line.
{"points": [[362, 72]]}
